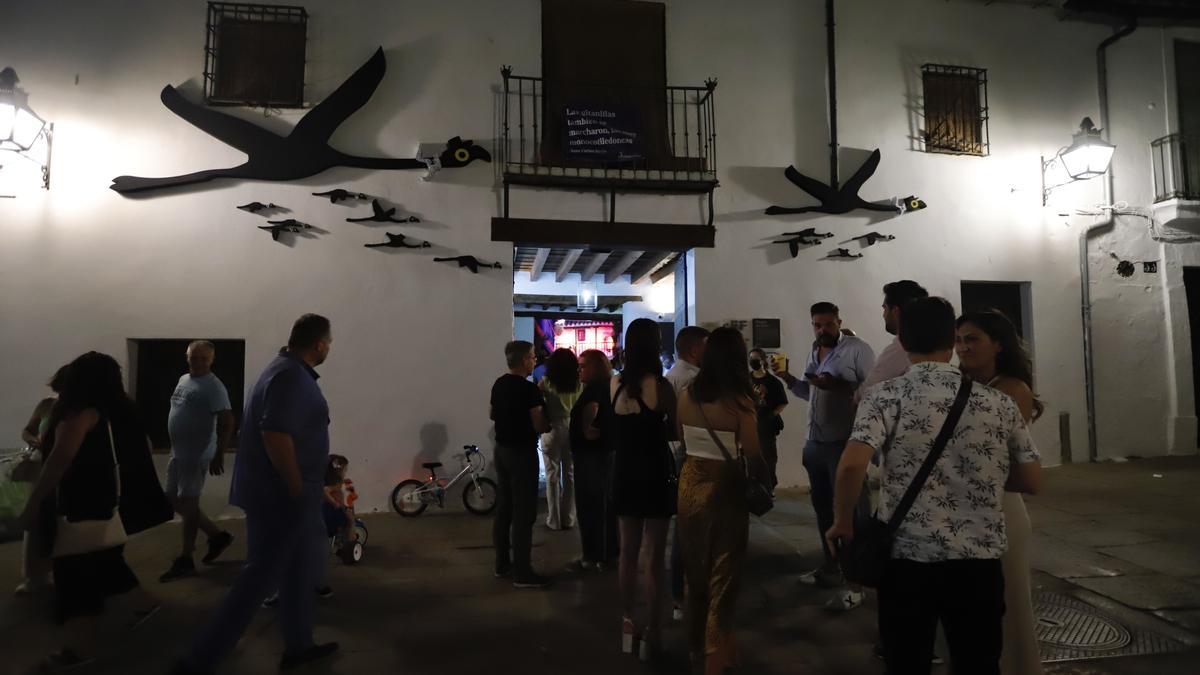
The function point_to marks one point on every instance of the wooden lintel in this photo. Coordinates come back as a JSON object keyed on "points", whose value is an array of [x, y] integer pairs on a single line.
{"points": [[599, 234]]}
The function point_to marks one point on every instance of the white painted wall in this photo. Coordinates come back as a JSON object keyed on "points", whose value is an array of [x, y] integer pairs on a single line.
{"points": [[417, 344]]}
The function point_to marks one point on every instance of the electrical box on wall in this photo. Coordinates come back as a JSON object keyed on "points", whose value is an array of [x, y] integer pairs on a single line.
{"points": [[1150, 267]]}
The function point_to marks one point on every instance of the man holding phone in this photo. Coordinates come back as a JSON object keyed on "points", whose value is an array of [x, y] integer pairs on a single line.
{"points": [[836, 367]]}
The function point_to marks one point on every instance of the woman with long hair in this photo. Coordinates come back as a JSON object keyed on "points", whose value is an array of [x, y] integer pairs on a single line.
{"points": [[717, 416], [643, 478], [35, 564], [560, 387], [93, 434], [592, 455], [991, 352]]}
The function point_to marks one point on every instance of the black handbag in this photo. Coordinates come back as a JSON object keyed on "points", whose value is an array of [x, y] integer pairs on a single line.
{"points": [[864, 557], [759, 499]]}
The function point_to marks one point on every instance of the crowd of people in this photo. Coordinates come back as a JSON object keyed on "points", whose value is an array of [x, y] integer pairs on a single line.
{"points": [[643, 446], [624, 453]]}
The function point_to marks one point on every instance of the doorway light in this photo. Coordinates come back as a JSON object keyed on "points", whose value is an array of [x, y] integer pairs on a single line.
{"points": [[588, 296]]}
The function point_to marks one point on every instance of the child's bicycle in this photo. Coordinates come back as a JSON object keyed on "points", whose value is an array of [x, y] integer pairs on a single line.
{"points": [[350, 552], [411, 497]]}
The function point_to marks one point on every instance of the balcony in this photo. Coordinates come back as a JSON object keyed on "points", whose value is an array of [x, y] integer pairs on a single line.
{"points": [[1176, 164], [609, 138]]}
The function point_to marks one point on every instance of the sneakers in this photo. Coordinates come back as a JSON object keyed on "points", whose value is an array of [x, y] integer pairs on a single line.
{"points": [[217, 546], [582, 565], [313, 653], [502, 570], [648, 647], [880, 653], [628, 635], [677, 613], [530, 580], [845, 601], [822, 577], [182, 567], [31, 586]]}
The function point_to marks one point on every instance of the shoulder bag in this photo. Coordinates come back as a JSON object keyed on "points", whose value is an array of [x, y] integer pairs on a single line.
{"points": [[758, 498], [864, 557], [73, 537]]}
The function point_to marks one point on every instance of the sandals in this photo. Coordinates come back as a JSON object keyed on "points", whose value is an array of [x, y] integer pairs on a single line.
{"points": [[628, 635]]}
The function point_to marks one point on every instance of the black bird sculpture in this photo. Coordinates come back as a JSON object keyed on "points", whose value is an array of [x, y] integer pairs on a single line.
{"points": [[872, 237], [397, 241], [278, 227], [381, 215], [469, 262], [340, 195], [303, 152], [808, 237], [844, 253], [255, 207], [842, 200]]}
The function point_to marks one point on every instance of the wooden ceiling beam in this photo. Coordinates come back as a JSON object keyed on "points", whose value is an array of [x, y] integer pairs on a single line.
{"points": [[568, 262], [623, 264]]}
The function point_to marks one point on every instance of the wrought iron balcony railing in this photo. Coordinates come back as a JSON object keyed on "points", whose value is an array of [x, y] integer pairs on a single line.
{"points": [[1176, 163], [609, 136]]}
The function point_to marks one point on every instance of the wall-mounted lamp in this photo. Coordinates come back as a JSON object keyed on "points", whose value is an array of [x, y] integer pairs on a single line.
{"points": [[21, 130], [588, 296], [1086, 157]]}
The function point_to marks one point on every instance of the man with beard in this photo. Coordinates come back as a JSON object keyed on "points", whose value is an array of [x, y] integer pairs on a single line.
{"points": [[893, 360], [837, 366]]}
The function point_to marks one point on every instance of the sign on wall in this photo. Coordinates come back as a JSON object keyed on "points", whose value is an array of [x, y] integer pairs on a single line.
{"points": [[603, 133], [765, 333]]}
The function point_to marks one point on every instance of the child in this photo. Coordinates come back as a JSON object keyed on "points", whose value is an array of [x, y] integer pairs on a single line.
{"points": [[337, 509]]}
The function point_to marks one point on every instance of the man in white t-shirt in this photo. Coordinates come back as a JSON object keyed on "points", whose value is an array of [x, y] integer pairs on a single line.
{"points": [[689, 349]]}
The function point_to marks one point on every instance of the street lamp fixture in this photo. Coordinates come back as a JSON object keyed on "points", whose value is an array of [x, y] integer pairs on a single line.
{"points": [[1088, 156], [20, 128]]}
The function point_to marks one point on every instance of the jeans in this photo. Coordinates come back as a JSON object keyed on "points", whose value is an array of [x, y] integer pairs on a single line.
{"points": [[516, 506], [967, 596], [821, 460], [593, 505], [281, 545], [560, 478], [767, 443]]}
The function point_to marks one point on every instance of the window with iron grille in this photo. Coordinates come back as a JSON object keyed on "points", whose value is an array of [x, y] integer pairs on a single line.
{"points": [[254, 55], [956, 110]]}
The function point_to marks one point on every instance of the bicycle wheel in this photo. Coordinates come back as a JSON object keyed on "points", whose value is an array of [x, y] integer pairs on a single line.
{"points": [[480, 501], [361, 530], [405, 501]]}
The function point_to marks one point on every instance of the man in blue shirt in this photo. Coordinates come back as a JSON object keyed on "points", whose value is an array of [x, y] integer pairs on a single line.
{"points": [[277, 480], [197, 447], [837, 366]]}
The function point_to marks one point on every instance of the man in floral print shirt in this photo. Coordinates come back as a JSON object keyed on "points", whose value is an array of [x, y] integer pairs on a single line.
{"points": [[946, 560]]}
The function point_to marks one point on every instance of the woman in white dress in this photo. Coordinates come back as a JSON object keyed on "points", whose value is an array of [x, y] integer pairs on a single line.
{"points": [[990, 351]]}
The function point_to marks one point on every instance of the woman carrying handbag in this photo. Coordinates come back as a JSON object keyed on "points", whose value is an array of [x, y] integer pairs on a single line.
{"points": [[97, 458]]}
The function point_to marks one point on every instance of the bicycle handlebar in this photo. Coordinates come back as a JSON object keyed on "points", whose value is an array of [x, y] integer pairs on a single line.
{"points": [[471, 448]]}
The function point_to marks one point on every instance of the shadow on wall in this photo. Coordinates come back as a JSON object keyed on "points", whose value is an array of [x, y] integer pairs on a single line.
{"points": [[434, 438]]}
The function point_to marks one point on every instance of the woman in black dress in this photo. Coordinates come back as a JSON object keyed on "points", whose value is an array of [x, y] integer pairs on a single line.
{"points": [[591, 448], [78, 482], [644, 478]]}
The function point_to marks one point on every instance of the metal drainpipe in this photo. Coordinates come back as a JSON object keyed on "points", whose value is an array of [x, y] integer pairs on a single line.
{"points": [[1089, 381]]}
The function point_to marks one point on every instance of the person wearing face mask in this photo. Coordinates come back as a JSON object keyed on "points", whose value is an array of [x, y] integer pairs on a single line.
{"points": [[769, 400]]}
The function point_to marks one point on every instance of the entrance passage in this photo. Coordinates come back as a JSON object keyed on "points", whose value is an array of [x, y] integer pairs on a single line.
{"points": [[1191, 282]]}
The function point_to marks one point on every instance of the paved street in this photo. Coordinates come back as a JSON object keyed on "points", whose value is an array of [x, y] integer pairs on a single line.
{"points": [[1121, 537]]}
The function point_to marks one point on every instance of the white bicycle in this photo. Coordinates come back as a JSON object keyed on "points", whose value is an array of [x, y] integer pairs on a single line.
{"points": [[411, 497]]}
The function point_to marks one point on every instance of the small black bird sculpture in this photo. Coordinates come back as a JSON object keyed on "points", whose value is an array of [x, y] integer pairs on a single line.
{"points": [[807, 237], [872, 237], [844, 253], [381, 215], [340, 195], [255, 207], [397, 241], [278, 227], [469, 262], [842, 200]]}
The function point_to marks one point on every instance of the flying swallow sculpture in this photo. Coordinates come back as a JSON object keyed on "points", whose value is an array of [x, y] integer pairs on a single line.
{"points": [[278, 227], [381, 215], [302, 153], [397, 241], [255, 207], [872, 237], [340, 195], [808, 237], [836, 201], [469, 262], [844, 253]]}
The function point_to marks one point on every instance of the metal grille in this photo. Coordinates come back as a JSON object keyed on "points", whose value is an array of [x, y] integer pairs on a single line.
{"points": [[690, 143], [267, 66], [1176, 164], [1069, 629], [956, 110]]}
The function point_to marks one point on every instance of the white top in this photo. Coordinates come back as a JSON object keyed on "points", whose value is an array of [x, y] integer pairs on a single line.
{"points": [[891, 362], [700, 444], [681, 375]]}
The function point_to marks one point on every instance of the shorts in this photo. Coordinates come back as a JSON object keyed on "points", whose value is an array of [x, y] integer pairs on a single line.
{"points": [[185, 477]]}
